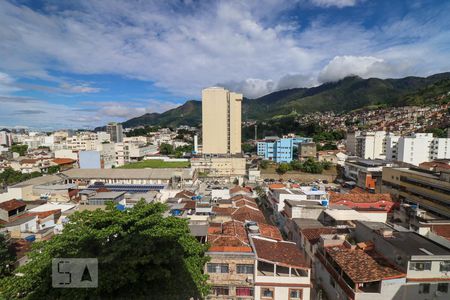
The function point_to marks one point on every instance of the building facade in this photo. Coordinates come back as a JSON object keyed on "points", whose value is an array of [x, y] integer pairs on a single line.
{"points": [[221, 121]]}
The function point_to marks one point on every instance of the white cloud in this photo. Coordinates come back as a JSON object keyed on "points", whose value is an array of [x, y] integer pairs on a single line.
{"points": [[186, 47], [337, 3], [363, 66]]}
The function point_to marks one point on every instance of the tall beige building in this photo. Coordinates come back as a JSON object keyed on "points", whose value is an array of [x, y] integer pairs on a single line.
{"points": [[221, 121]]}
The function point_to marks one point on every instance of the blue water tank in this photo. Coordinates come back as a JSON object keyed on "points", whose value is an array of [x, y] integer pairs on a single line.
{"points": [[30, 238]]}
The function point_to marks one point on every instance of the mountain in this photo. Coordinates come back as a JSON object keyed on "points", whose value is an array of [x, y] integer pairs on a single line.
{"points": [[190, 113], [345, 95]]}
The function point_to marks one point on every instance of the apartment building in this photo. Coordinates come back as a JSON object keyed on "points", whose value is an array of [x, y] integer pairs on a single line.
{"points": [[115, 131], [366, 173], [425, 263], [371, 145], [281, 149], [221, 121], [250, 261], [427, 189]]}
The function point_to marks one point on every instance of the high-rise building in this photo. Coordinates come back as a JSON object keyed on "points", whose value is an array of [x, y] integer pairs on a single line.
{"points": [[115, 130], [221, 121]]}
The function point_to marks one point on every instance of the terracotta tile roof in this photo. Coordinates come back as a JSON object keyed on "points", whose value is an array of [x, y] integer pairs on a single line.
{"points": [[246, 213], [239, 189], [276, 186], [358, 190], [360, 198], [41, 214], [360, 266], [239, 197], [229, 237], [222, 211], [12, 204], [442, 230], [280, 252], [64, 161], [313, 234], [270, 231], [28, 161], [188, 204], [185, 194], [102, 190], [251, 203]]}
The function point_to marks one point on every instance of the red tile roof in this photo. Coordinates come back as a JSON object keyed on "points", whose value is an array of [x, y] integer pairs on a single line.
{"points": [[442, 230], [276, 186], [280, 252], [64, 161], [360, 198], [246, 213], [12, 204], [313, 234], [239, 189], [362, 267], [229, 237]]}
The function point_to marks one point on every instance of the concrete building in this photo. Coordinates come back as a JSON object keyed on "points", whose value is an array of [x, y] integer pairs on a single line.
{"points": [[221, 121], [417, 148], [427, 189], [282, 149], [371, 145], [89, 160], [115, 131], [366, 173], [307, 150], [351, 142], [5, 139], [219, 166]]}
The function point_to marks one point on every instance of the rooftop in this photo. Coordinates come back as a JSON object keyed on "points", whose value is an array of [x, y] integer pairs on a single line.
{"points": [[107, 195], [12, 204], [412, 243], [279, 252], [128, 173], [360, 197], [360, 266]]}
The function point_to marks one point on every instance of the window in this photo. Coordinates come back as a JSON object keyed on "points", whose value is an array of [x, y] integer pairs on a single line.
{"points": [[295, 294], [267, 293], [245, 269], [244, 291], [444, 266], [420, 266], [424, 288], [442, 287], [217, 268], [220, 291]]}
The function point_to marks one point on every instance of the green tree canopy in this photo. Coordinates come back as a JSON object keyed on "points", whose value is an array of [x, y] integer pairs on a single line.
{"points": [[141, 255], [7, 258], [21, 149], [166, 149], [283, 168], [9, 176]]}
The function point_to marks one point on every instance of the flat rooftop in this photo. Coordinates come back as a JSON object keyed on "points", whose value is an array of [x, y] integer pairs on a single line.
{"points": [[46, 179], [167, 173], [412, 243]]}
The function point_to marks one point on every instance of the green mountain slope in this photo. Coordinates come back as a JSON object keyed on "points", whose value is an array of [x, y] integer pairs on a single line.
{"points": [[344, 95]]}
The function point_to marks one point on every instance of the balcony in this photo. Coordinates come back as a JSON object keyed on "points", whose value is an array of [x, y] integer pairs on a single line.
{"points": [[268, 272]]}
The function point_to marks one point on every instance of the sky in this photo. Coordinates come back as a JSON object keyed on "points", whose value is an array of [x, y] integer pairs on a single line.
{"points": [[81, 64]]}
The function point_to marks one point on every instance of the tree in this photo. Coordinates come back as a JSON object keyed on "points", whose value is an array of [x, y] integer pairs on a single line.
{"points": [[166, 149], [9, 176], [141, 255], [53, 169], [326, 165], [263, 164], [21, 149], [7, 258], [312, 166], [283, 168], [248, 148], [296, 165]]}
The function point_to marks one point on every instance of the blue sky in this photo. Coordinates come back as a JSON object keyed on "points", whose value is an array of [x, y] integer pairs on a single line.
{"points": [[80, 64]]}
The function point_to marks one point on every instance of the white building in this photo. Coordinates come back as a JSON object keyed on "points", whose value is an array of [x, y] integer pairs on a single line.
{"points": [[371, 145]]}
